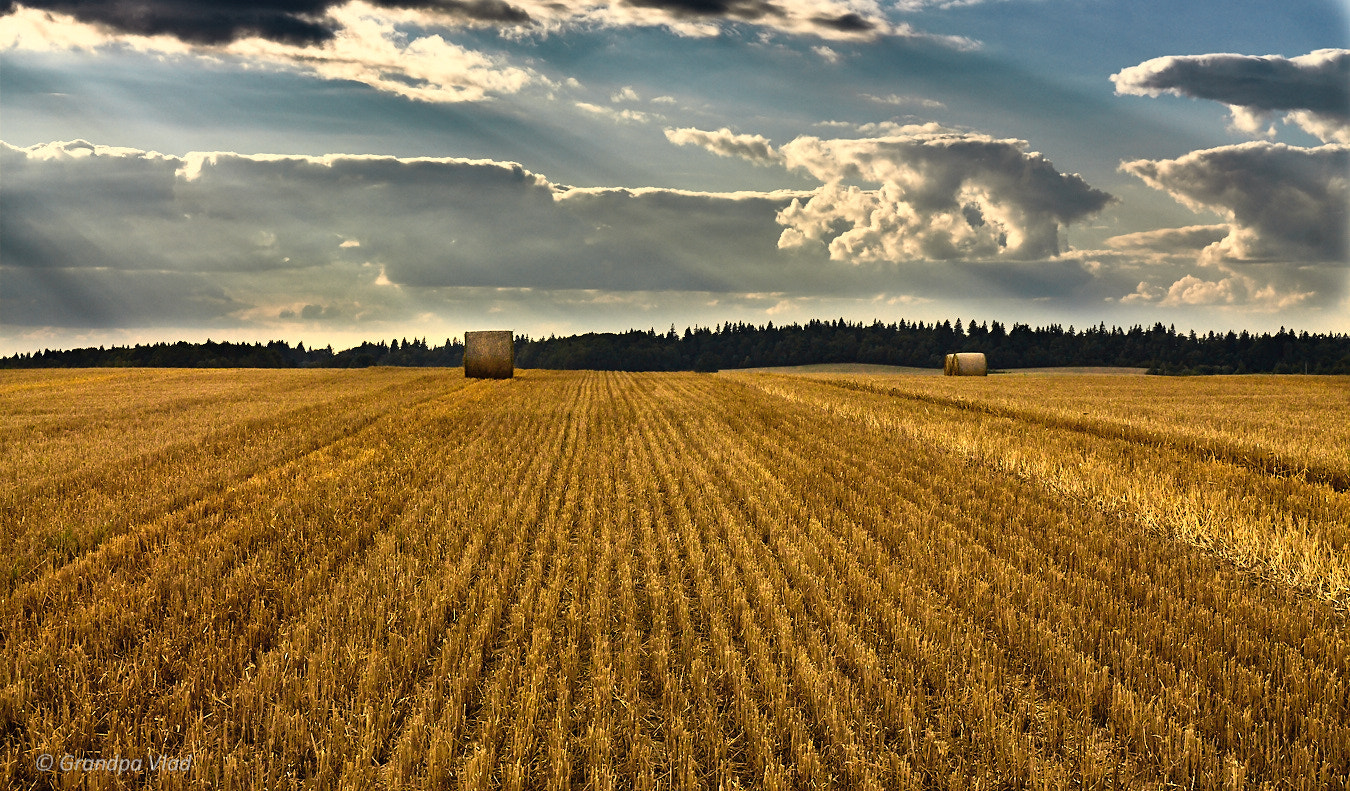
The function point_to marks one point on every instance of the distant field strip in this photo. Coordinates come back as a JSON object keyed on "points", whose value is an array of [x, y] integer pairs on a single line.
{"points": [[577, 580]]}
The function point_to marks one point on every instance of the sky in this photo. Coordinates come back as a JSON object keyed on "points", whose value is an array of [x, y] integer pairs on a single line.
{"points": [[332, 172]]}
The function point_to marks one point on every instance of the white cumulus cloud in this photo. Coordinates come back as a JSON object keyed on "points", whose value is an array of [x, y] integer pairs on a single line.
{"points": [[1191, 290], [939, 195]]}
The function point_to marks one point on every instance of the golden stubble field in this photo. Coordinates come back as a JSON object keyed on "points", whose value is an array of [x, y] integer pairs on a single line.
{"points": [[397, 578]]}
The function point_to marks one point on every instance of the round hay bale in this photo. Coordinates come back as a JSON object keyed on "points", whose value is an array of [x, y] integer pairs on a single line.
{"points": [[489, 354], [966, 364]]}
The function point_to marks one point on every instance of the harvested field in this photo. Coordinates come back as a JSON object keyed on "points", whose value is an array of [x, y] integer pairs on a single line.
{"points": [[904, 370], [847, 368], [1076, 369], [406, 579]]}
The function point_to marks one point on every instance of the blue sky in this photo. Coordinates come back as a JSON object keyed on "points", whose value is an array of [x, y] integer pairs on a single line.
{"points": [[336, 172]]}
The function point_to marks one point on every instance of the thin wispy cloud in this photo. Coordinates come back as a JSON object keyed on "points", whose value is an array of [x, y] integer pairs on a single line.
{"points": [[899, 100]]}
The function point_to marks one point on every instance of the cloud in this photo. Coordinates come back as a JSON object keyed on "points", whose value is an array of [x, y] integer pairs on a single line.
{"points": [[1327, 128], [314, 312], [726, 143], [826, 54], [296, 22], [1143, 293], [1191, 290], [96, 236], [405, 47], [1286, 239], [1283, 203], [1314, 87], [364, 45], [920, 5], [623, 116], [834, 20], [100, 236], [942, 195], [1190, 239], [306, 23], [97, 298], [746, 10], [870, 129], [1236, 291], [901, 100], [293, 21]]}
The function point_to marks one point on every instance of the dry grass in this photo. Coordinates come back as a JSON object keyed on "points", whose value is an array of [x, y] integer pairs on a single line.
{"points": [[1164, 452], [403, 579], [846, 368]]}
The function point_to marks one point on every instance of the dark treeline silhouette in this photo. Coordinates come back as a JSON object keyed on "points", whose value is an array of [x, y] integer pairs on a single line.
{"points": [[274, 354], [738, 345]]}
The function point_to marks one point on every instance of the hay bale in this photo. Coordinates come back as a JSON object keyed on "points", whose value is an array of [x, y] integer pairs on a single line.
{"points": [[489, 354], [965, 364]]}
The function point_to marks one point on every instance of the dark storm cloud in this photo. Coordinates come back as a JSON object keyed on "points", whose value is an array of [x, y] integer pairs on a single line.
{"points": [[749, 10], [290, 21], [477, 10], [845, 23]]}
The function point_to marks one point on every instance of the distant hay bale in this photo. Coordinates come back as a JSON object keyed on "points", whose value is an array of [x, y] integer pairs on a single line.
{"points": [[489, 354], [965, 364]]}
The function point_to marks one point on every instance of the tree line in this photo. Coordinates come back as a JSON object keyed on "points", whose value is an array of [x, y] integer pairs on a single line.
{"points": [[1161, 349]]}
